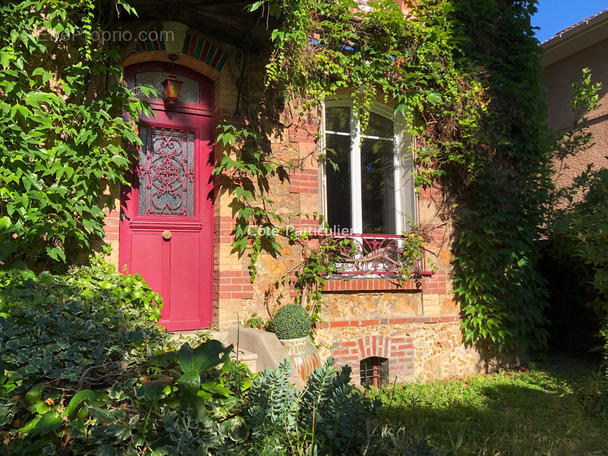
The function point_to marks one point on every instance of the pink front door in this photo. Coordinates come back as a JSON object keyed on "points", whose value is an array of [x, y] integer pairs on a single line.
{"points": [[166, 229]]}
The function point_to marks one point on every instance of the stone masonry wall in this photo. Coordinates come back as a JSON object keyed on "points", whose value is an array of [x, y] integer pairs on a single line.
{"points": [[415, 325]]}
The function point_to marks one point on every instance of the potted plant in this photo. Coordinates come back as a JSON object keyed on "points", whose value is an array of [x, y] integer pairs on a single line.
{"points": [[292, 326]]}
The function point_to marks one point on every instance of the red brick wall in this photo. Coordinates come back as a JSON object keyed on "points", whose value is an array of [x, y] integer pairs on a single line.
{"points": [[398, 350], [232, 285], [304, 181]]}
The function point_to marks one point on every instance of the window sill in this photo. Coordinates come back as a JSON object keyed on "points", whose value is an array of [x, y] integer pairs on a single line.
{"points": [[370, 284]]}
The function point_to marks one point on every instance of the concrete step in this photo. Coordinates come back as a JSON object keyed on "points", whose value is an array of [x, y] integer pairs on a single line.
{"points": [[246, 357]]}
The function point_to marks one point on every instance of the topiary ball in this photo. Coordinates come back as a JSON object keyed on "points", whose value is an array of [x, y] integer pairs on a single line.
{"points": [[291, 322]]}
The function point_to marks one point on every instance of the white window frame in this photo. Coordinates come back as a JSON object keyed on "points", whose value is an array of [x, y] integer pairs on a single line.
{"points": [[404, 168]]}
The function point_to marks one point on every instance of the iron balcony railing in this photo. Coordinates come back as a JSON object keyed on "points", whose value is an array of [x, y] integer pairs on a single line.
{"points": [[374, 254]]}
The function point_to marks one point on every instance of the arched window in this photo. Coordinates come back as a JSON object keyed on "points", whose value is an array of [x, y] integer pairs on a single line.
{"points": [[368, 179]]}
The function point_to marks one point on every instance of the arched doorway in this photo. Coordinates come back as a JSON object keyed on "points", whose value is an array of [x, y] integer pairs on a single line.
{"points": [[166, 227]]}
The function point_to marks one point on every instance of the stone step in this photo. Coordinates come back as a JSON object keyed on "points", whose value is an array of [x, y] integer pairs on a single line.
{"points": [[246, 357]]}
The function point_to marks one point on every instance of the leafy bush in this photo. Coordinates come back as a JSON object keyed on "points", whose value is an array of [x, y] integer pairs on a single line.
{"points": [[291, 322], [580, 231], [85, 370], [62, 132], [593, 394], [329, 417], [66, 329]]}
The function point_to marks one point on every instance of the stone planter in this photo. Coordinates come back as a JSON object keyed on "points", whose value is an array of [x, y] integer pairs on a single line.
{"points": [[303, 354]]}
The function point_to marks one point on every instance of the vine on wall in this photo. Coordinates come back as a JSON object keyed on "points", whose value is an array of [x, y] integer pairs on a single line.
{"points": [[466, 76], [62, 132]]}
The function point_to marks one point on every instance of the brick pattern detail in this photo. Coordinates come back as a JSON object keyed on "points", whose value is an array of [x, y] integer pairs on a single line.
{"points": [[387, 321], [223, 227], [303, 130], [304, 181], [232, 285], [368, 285], [306, 224], [433, 193], [436, 284], [305, 133], [398, 350], [112, 225]]}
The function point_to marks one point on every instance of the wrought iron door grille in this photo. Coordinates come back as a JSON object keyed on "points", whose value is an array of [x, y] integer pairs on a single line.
{"points": [[166, 172]]}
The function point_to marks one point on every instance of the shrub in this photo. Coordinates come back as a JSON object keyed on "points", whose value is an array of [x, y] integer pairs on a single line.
{"points": [[593, 394], [66, 329], [85, 369], [329, 418], [291, 322], [580, 234]]}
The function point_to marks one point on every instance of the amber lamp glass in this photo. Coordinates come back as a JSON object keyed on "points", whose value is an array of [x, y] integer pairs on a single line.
{"points": [[172, 86]]}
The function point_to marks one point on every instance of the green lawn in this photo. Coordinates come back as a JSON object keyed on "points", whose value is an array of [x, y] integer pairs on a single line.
{"points": [[536, 411]]}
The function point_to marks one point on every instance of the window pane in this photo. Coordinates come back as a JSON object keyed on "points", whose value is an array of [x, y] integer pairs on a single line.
{"points": [[338, 183], [166, 172], [377, 186], [379, 126], [337, 119], [189, 92]]}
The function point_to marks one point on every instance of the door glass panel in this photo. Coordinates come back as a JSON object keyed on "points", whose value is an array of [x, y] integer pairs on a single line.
{"points": [[166, 172], [189, 92]]}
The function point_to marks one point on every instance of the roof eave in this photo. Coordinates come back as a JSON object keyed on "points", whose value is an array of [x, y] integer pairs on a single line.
{"points": [[569, 42]]}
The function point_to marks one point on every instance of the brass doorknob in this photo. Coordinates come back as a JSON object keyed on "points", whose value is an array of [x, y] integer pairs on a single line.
{"points": [[167, 235]]}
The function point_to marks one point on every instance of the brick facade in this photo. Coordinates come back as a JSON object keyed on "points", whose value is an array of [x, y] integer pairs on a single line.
{"points": [[398, 350], [415, 324]]}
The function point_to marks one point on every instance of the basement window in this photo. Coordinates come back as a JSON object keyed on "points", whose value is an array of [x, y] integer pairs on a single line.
{"points": [[374, 371]]}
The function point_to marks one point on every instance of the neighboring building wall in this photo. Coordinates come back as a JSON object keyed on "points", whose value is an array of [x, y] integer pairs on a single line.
{"points": [[558, 76]]}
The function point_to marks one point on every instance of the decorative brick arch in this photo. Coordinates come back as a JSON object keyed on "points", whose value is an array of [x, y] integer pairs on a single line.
{"points": [[193, 46], [398, 350]]}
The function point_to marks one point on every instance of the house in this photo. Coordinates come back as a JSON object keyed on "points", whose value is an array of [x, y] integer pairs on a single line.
{"points": [[174, 225], [583, 45]]}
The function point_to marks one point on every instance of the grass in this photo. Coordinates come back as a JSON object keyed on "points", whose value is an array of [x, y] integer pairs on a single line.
{"points": [[536, 411]]}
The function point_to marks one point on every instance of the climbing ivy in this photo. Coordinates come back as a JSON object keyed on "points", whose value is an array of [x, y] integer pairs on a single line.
{"points": [[62, 132], [496, 280]]}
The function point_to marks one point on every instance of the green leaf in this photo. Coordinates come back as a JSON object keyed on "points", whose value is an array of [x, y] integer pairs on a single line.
{"points": [[79, 398], [102, 415], [209, 354], [191, 379], [433, 98], [49, 422], [34, 395], [120, 161], [56, 253], [154, 389]]}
